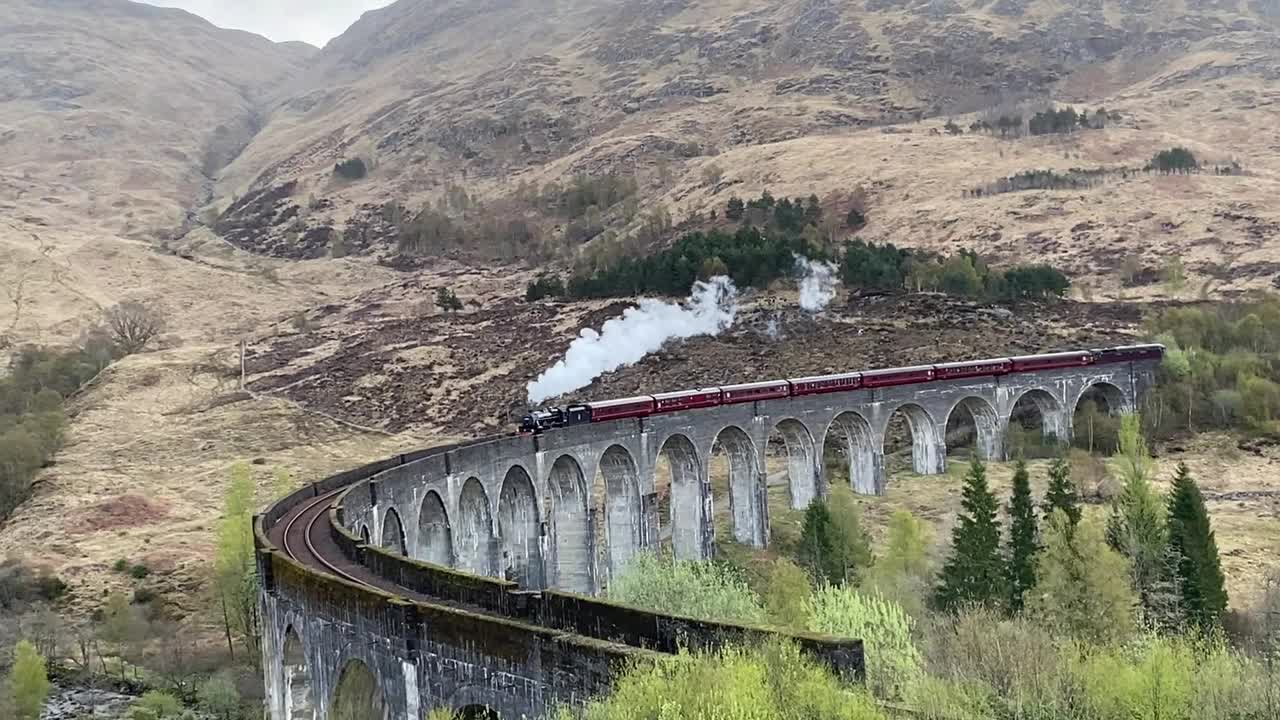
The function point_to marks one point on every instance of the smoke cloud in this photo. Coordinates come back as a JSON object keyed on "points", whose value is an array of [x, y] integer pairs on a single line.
{"points": [[817, 283], [624, 340]]}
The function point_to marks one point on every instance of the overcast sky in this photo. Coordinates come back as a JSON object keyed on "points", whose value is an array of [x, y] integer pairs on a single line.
{"points": [[313, 21]]}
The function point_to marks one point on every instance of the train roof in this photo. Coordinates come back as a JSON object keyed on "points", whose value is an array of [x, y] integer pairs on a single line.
{"points": [[1066, 354], [970, 363], [837, 376], [684, 393], [754, 385], [894, 371], [621, 401]]}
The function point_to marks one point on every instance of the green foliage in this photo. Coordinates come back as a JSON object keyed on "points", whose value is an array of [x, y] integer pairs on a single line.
{"points": [[1061, 493], [872, 267], [21, 585], [893, 662], [786, 594], [28, 682], [139, 571], [974, 574], [902, 572], [753, 258], [545, 286], [218, 696], [833, 546], [121, 565], [1023, 541], [700, 590], [155, 705], [351, 169], [447, 300], [1083, 586], [1192, 543], [31, 417], [1136, 527], [776, 682], [235, 569], [1175, 160], [735, 208], [1054, 120]]}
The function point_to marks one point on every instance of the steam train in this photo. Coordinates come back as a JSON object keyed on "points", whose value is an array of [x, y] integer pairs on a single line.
{"points": [[544, 419]]}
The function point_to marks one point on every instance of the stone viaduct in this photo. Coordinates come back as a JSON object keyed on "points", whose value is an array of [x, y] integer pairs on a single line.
{"points": [[526, 529]]}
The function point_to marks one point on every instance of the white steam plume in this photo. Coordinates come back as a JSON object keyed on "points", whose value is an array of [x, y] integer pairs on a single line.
{"points": [[817, 283], [640, 330]]}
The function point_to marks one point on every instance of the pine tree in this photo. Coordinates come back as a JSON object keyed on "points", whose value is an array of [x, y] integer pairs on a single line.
{"points": [[1061, 494], [1024, 541], [28, 682], [1136, 528], [975, 571], [1191, 540], [818, 552]]}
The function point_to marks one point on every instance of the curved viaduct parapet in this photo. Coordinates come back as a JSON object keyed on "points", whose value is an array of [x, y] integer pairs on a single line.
{"points": [[530, 520]]}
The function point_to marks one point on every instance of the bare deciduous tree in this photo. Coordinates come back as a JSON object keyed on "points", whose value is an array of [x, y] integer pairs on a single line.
{"points": [[133, 326]]}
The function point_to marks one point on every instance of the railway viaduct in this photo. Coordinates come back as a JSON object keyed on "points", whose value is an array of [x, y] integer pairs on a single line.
{"points": [[467, 576]]}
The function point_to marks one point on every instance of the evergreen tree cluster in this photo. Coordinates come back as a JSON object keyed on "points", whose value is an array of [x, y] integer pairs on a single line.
{"points": [[351, 169], [1175, 160], [1221, 369], [1072, 179], [31, 414], [1052, 120]]}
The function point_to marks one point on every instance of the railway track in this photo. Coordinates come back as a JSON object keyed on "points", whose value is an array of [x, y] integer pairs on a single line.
{"points": [[300, 537]]}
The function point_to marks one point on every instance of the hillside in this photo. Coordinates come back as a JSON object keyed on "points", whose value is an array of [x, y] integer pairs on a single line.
{"points": [[703, 100]]}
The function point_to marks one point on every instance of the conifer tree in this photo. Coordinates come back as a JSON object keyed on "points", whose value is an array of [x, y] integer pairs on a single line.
{"points": [[1136, 528], [975, 571], [1191, 541], [1024, 540], [818, 552], [1061, 494]]}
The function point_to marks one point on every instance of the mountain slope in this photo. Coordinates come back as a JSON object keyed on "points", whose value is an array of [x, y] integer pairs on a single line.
{"points": [[493, 94]]}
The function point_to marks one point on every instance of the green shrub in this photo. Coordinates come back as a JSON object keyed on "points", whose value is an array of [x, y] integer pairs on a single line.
{"points": [[893, 662], [545, 286], [682, 587], [351, 169], [775, 682], [139, 571], [155, 705]]}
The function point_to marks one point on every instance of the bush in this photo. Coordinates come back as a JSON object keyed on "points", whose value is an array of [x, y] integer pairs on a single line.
{"points": [[121, 565], [787, 593], [447, 300], [351, 169], [682, 587], [545, 286], [21, 585], [773, 682], [155, 705], [893, 662], [139, 571]]}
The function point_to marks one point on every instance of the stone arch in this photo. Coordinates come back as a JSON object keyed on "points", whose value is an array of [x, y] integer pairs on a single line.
{"points": [[688, 516], [1041, 407], [746, 490], [571, 525], [365, 536], [393, 532], [1115, 399], [298, 702], [986, 425], [802, 462], [520, 529], [357, 695], [620, 514], [435, 538], [475, 529], [927, 450], [859, 446]]}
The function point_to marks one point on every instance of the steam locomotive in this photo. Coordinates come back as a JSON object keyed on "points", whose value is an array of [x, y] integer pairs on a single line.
{"points": [[548, 418]]}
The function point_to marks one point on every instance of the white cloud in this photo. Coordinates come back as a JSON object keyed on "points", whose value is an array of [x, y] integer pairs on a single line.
{"points": [[312, 21]]}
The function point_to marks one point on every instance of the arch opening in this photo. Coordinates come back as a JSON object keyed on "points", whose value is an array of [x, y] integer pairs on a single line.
{"points": [[681, 507], [850, 454], [973, 427], [435, 538], [475, 529], [912, 430], [1095, 418], [737, 488], [520, 530], [478, 712], [619, 517], [297, 680], [1036, 426], [365, 536], [791, 450], [393, 532], [357, 695], [571, 526]]}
